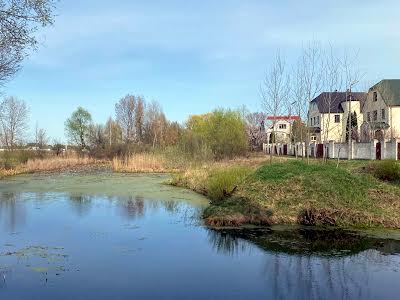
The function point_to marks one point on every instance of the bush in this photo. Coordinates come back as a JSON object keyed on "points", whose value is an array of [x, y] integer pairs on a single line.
{"points": [[223, 182], [221, 132], [23, 156], [388, 170]]}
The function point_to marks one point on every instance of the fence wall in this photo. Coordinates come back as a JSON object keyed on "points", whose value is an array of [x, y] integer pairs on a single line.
{"points": [[370, 151]]}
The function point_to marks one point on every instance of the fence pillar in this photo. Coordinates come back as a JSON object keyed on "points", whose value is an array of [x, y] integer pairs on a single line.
{"points": [[353, 145], [331, 149], [373, 149]]}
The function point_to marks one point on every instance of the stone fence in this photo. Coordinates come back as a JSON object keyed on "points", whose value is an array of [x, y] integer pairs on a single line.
{"points": [[373, 150]]}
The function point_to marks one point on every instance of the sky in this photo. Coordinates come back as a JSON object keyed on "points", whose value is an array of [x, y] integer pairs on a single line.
{"points": [[190, 56]]}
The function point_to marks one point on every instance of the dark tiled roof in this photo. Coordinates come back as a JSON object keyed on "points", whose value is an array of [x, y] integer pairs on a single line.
{"points": [[329, 102], [389, 90], [283, 118]]}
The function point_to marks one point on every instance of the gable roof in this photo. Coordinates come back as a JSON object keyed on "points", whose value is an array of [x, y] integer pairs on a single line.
{"points": [[286, 118], [389, 90], [330, 102]]}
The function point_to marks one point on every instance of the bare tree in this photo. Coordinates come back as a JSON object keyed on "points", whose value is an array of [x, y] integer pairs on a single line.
{"points": [[156, 124], [19, 20], [139, 118], [125, 115], [352, 76], [255, 128], [13, 121], [112, 133], [333, 81], [310, 68], [96, 138], [40, 137], [275, 91]]}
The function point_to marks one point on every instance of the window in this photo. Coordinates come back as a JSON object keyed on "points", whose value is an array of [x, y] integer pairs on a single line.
{"points": [[368, 117], [383, 114], [375, 96], [375, 115], [282, 126], [313, 138], [318, 120], [337, 118]]}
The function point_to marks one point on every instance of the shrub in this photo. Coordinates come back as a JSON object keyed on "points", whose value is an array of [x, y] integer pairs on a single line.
{"points": [[223, 132], [223, 182], [388, 170]]}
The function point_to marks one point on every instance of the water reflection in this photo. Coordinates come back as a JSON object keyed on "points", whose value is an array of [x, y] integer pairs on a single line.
{"points": [[302, 241], [80, 204], [132, 208], [312, 264], [12, 213]]}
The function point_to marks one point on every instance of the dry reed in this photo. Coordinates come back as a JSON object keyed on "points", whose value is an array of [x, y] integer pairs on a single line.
{"points": [[48, 164], [55, 163], [142, 163]]}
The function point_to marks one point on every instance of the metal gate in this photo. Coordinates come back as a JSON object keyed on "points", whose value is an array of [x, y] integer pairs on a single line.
{"points": [[320, 150], [398, 151], [378, 151]]}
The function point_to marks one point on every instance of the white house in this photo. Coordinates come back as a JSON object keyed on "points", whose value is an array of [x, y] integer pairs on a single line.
{"points": [[328, 115], [279, 128], [381, 111]]}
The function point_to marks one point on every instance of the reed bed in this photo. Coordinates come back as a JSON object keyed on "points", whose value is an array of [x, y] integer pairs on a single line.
{"points": [[49, 164], [56, 163], [143, 163]]}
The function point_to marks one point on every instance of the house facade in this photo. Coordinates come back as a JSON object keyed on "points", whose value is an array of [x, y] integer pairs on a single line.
{"points": [[328, 115], [279, 128], [381, 112]]}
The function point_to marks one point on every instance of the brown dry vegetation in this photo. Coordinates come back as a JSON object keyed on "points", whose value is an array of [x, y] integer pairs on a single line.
{"points": [[143, 163], [50, 164]]}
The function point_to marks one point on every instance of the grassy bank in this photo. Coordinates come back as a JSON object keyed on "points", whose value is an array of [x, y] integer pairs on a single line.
{"points": [[293, 192]]}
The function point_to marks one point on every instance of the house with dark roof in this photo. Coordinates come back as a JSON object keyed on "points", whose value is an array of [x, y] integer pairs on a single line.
{"points": [[328, 114], [381, 111]]}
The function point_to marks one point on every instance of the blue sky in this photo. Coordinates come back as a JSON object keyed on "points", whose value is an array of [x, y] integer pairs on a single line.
{"points": [[191, 56]]}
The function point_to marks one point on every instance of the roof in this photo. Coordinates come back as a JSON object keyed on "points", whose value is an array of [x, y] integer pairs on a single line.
{"points": [[330, 102], [389, 90], [283, 118]]}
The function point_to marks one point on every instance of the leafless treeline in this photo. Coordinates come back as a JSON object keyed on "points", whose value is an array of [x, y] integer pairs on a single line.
{"points": [[288, 90], [136, 122], [142, 122], [13, 121]]}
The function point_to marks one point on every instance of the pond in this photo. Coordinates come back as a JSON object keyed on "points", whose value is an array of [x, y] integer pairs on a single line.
{"points": [[113, 236]]}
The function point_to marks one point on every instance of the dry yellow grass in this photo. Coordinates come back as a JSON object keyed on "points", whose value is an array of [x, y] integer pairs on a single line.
{"points": [[55, 163], [142, 163], [48, 164]]}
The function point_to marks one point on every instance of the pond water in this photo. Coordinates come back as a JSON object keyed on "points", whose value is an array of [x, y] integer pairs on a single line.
{"points": [[109, 236]]}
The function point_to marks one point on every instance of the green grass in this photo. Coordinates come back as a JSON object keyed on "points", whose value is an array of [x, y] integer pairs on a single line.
{"points": [[221, 183], [388, 170], [315, 194]]}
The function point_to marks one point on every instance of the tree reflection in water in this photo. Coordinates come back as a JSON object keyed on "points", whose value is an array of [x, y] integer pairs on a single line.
{"points": [[311, 264], [132, 208], [80, 204], [12, 213]]}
